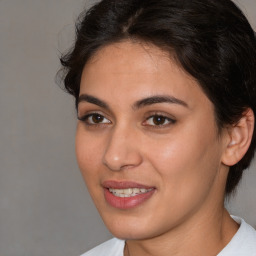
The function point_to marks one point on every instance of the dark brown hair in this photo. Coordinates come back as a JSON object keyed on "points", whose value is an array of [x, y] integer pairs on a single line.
{"points": [[211, 39]]}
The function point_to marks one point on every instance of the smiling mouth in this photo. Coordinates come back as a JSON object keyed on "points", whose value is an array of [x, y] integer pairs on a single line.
{"points": [[125, 195], [129, 192]]}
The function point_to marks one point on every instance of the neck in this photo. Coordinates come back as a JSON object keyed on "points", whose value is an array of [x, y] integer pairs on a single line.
{"points": [[203, 236]]}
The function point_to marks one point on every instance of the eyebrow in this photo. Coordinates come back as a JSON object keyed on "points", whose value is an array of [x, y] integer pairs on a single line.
{"points": [[158, 99], [138, 104], [93, 100]]}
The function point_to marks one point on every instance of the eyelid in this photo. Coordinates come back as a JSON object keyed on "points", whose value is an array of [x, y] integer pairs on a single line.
{"points": [[171, 120], [84, 118], [84, 113]]}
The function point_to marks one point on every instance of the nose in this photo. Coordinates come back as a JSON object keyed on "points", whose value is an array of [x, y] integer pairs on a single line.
{"points": [[122, 151]]}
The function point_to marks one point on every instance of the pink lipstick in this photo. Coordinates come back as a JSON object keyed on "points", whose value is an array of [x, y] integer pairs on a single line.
{"points": [[126, 194]]}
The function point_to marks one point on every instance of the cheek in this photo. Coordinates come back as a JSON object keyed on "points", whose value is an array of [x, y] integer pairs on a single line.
{"points": [[187, 164], [88, 153], [187, 175]]}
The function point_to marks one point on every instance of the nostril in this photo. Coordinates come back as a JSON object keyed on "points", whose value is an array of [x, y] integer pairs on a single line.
{"points": [[121, 152], [122, 159], [112, 163]]}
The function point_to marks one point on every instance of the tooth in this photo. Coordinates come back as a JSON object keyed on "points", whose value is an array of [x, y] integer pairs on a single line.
{"points": [[127, 191], [119, 191], [136, 190]]}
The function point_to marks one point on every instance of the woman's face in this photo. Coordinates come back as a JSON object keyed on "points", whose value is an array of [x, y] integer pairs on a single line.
{"points": [[147, 143]]}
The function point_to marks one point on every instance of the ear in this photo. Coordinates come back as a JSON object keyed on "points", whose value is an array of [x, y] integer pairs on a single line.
{"points": [[239, 139]]}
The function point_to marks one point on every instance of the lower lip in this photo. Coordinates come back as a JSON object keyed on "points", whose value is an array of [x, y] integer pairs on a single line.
{"points": [[127, 202]]}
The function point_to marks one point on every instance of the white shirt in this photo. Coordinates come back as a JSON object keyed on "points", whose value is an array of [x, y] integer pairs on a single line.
{"points": [[243, 243]]}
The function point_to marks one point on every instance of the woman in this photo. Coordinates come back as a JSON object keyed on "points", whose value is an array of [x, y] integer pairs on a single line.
{"points": [[165, 95]]}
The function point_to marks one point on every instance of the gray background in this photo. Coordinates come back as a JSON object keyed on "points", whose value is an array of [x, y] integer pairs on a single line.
{"points": [[44, 205]]}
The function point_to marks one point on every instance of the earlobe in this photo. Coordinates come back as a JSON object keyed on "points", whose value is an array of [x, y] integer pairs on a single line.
{"points": [[240, 136]]}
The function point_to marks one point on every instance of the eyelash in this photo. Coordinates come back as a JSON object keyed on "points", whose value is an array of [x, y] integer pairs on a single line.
{"points": [[86, 118], [167, 120]]}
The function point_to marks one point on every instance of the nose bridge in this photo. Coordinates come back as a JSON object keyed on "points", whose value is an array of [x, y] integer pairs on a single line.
{"points": [[121, 150]]}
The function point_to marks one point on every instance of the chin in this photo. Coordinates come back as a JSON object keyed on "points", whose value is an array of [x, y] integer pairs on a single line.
{"points": [[130, 233], [130, 227]]}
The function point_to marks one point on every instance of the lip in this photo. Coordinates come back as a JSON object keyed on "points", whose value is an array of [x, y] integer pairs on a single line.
{"points": [[126, 202]]}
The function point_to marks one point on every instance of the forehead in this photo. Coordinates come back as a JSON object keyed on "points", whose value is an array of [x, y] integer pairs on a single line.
{"points": [[132, 56], [137, 70]]}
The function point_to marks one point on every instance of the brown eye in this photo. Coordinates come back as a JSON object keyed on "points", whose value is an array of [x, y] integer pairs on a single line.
{"points": [[96, 118], [159, 120]]}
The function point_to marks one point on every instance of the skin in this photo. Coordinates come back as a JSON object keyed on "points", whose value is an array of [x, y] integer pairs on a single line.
{"points": [[182, 159]]}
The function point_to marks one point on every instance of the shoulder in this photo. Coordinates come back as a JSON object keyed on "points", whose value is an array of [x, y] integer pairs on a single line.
{"points": [[112, 247], [243, 243]]}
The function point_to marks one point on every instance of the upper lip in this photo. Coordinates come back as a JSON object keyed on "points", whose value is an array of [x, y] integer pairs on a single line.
{"points": [[123, 184]]}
